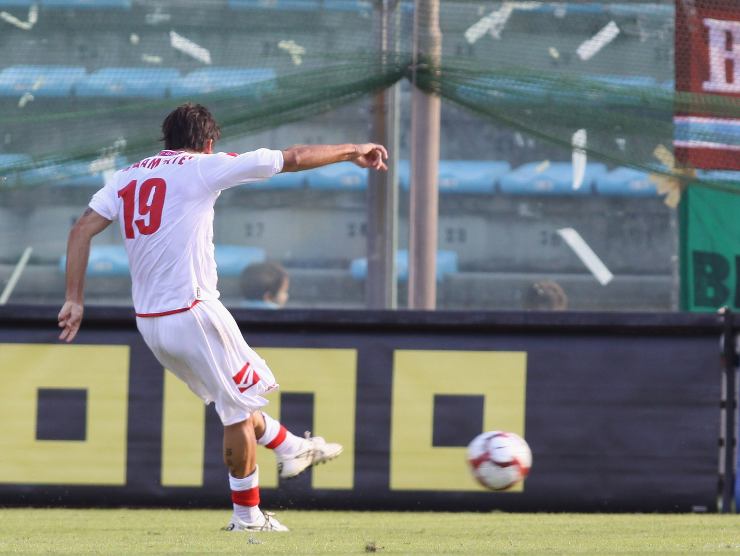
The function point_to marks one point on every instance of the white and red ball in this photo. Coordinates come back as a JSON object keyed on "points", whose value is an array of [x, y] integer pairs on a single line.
{"points": [[499, 460]]}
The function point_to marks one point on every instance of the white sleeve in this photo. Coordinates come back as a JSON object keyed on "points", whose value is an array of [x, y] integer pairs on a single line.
{"points": [[105, 201], [221, 171]]}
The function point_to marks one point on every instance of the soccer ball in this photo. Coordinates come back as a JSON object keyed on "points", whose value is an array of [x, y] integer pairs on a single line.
{"points": [[499, 460]]}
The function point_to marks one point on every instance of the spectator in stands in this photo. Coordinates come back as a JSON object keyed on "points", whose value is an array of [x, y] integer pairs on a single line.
{"points": [[545, 295], [265, 286]]}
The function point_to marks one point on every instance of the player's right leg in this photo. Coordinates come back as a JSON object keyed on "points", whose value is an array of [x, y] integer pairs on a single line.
{"points": [[294, 454], [202, 348]]}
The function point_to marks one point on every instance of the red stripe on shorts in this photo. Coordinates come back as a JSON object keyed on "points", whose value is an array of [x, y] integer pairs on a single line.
{"points": [[278, 440], [238, 377], [249, 497], [173, 312]]}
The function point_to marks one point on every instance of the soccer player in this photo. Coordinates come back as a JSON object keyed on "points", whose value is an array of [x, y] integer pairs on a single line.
{"points": [[164, 204]]}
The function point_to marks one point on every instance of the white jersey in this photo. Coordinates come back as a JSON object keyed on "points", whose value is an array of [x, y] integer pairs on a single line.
{"points": [[164, 204]]}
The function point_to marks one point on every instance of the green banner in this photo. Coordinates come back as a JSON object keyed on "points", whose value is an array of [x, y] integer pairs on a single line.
{"points": [[710, 249]]}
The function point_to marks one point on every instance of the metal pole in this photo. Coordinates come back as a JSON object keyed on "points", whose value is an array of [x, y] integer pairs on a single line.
{"points": [[729, 416], [425, 123], [382, 195]]}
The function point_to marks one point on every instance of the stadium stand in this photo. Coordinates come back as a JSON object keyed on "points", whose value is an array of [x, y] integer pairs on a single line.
{"points": [[88, 4], [128, 82], [41, 81], [111, 260], [626, 181], [345, 176], [549, 178], [461, 176], [446, 264], [225, 79]]}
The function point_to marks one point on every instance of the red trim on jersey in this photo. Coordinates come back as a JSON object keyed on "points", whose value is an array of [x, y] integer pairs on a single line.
{"points": [[278, 440], [233, 154], [165, 313], [249, 497]]}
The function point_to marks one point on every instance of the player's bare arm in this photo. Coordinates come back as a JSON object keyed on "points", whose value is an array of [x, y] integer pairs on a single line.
{"points": [[305, 157], [78, 253]]}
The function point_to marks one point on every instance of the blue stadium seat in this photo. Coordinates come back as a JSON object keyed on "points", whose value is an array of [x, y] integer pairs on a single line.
{"points": [[302, 5], [461, 176], [517, 89], [345, 176], [40, 81], [555, 179], [220, 79], [626, 182], [286, 180], [232, 259], [719, 175], [8, 161], [112, 260], [17, 3], [446, 264], [74, 173], [89, 4], [128, 82], [105, 260]]}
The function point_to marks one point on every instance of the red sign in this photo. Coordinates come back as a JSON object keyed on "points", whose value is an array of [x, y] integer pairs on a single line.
{"points": [[707, 129]]}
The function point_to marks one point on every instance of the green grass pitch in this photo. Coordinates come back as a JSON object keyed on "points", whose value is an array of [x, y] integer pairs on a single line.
{"points": [[34, 531]]}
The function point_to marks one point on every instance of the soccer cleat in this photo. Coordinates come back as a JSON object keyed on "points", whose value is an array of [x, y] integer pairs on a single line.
{"points": [[313, 450], [266, 522]]}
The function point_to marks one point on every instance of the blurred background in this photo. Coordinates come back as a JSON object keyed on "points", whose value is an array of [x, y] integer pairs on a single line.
{"points": [[555, 121]]}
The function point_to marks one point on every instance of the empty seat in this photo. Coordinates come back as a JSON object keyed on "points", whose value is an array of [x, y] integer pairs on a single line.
{"points": [[232, 259], [555, 178], [284, 180], [446, 264], [112, 260], [128, 82], [243, 81], [626, 181], [513, 88], [82, 173], [105, 260], [303, 5], [719, 175], [9, 165], [90, 4], [462, 176], [346, 176], [43, 81]]}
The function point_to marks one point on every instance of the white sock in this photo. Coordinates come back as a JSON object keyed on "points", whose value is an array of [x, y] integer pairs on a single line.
{"points": [[245, 495], [278, 438]]}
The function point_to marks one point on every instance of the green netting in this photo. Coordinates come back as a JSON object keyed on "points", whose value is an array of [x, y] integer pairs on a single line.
{"points": [[545, 69]]}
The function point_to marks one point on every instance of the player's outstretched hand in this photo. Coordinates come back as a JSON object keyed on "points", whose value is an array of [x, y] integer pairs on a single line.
{"points": [[371, 155], [70, 318]]}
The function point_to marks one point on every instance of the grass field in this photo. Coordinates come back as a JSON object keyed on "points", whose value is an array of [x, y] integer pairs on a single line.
{"points": [[24, 531]]}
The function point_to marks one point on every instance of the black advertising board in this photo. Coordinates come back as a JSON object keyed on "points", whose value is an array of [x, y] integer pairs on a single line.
{"points": [[621, 411]]}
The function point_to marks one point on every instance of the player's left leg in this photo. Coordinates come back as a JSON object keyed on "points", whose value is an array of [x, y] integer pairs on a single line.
{"points": [[294, 454], [240, 447]]}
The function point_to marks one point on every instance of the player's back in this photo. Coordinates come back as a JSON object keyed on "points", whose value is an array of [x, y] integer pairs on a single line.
{"points": [[164, 205]]}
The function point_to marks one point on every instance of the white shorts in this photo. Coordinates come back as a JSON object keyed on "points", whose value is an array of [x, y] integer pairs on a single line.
{"points": [[205, 348]]}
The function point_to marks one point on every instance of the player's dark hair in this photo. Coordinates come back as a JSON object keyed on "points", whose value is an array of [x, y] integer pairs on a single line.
{"points": [[259, 279], [189, 127]]}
